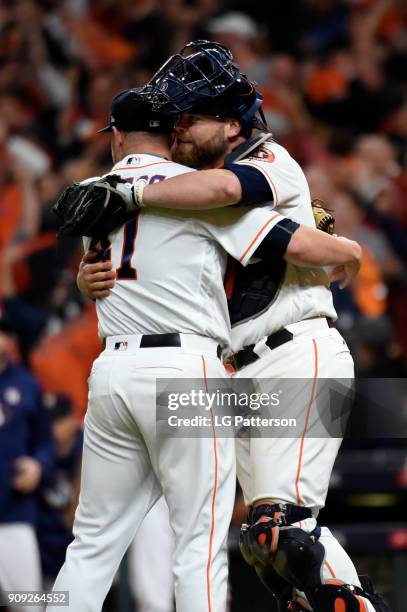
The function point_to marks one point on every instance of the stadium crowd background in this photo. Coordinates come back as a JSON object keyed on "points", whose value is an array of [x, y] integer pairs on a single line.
{"points": [[333, 75]]}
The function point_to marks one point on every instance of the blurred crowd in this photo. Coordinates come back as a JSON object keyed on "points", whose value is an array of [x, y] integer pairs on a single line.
{"points": [[335, 91], [333, 75]]}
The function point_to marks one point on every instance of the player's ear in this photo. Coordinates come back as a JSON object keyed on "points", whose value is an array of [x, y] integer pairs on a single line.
{"points": [[117, 144], [232, 128]]}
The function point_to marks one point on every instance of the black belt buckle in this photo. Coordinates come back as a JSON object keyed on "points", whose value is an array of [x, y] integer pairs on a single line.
{"points": [[247, 355], [242, 358]]}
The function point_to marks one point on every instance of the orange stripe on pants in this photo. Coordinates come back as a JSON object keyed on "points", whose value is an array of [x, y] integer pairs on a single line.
{"points": [[299, 501], [215, 487]]}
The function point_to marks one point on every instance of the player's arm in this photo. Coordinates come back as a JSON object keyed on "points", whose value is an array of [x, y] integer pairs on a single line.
{"points": [[202, 190], [261, 233], [95, 278], [308, 247], [207, 189]]}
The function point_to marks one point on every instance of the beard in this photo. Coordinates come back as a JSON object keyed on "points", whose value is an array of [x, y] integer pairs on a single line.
{"points": [[203, 156]]}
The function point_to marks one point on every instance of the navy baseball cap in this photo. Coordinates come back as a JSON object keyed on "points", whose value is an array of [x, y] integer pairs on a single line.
{"points": [[132, 111]]}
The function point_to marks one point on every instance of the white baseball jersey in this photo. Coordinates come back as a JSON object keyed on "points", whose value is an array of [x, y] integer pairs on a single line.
{"points": [[170, 265], [304, 292]]}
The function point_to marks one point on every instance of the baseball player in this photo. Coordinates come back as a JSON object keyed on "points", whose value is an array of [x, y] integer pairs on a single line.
{"points": [[281, 328], [165, 317]]}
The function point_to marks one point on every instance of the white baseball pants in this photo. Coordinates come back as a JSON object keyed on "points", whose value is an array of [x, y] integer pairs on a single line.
{"points": [[297, 470], [150, 555], [126, 468]]}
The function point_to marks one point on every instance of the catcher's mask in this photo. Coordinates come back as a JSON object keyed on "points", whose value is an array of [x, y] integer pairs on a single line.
{"points": [[204, 79], [132, 110]]}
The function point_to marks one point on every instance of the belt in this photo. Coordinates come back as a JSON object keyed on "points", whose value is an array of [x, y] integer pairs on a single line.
{"points": [[120, 343], [174, 339], [247, 355], [157, 340]]}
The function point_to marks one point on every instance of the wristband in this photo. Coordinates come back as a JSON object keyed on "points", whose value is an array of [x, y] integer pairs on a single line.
{"points": [[137, 192], [132, 194]]}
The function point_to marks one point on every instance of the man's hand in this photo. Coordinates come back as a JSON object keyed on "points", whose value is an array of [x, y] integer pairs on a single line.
{"points": [[95, 278], [28, 475], [346, 272]]}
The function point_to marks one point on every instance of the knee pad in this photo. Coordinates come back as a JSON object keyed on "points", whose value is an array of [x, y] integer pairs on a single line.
{"points": [[279, 588], [259, 536], [299, 558], [258, 542], [273, 582]]}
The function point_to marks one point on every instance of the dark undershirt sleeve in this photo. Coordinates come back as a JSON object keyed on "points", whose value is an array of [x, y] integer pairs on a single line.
{"points": [[275, 243], [255, 188]]}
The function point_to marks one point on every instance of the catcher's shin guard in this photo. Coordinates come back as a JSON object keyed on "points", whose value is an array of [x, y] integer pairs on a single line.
{"points": [[280, 589], [287, 557], [259, 545]]}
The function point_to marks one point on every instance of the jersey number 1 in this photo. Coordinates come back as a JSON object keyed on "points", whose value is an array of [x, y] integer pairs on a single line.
{"points": [[126, 271]]}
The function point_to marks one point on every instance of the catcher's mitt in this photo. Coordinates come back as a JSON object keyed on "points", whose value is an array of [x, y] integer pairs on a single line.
{"points": [[95, 208], [324, 221]]}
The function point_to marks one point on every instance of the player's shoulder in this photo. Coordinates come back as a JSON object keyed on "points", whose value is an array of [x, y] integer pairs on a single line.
{"points": [[149, 164], [268, 154]]}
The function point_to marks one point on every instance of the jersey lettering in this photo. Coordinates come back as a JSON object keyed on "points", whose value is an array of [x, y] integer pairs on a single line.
{"points": [[126, 271]]}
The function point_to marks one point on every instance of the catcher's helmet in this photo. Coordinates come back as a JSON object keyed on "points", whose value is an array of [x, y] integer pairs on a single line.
{"points": [[204, 79]]}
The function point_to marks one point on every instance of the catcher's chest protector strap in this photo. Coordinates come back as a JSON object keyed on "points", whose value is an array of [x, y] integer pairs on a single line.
{"points": [[247, 147]]}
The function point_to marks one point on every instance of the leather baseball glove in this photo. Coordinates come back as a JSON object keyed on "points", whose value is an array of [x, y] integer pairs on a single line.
{"points": [[94, 208], [324, 221]]}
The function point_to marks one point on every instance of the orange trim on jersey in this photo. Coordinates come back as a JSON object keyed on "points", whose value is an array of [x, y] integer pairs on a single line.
{"points": [[339, 605], [267, 177], [146, 166], [330, 569], [299, 501], [215, 488], [230, 277], [257, 236]]}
